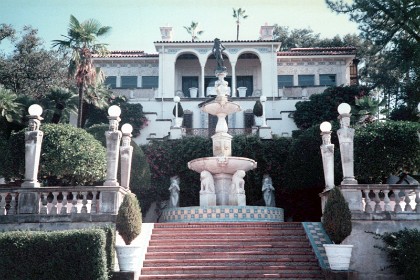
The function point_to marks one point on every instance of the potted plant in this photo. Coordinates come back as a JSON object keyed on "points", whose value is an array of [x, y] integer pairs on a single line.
{"points": [[128, 225], [179, 118], [258, 112], [337, 224]]}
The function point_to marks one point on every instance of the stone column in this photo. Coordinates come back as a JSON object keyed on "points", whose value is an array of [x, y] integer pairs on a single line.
{"points": [[233, 93], [263, 99], [113, 139], [28, 202], [126, 152], [327, 152], [33, 142], [345, 137]]}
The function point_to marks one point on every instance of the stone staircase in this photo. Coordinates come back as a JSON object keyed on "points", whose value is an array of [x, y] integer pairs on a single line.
{"points": [[230, 251]]}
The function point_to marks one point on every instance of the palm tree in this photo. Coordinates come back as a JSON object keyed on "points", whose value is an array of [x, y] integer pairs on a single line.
{"points": [[60, 103], [238, 14], [193, 30], [81, 40]]}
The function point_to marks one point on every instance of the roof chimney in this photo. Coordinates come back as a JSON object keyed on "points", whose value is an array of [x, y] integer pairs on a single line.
{"points": [[266, 32], [166, 33]]}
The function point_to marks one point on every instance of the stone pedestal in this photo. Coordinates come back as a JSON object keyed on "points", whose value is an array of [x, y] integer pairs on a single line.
{"points": [[241, 198], [222, 184], [353, 197], [109, 202], [222, 144], [28, 203], [113, 139], [207, 199], [175, 133], [264, 132]]}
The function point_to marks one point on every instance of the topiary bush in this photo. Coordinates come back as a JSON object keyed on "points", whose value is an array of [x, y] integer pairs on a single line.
{"points": [[337, 216], [258, 109], [69, 156], [180, 110], [129, 219], [59, 255], [403, 249]]}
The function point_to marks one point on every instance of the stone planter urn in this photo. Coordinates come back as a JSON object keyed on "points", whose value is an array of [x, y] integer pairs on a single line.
{"points": [[128, 257], [242, 91], [338, 256], [193, 92]]}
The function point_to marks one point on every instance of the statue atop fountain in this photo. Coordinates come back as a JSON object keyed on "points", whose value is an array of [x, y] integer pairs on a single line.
{"points": [[227, 171]]}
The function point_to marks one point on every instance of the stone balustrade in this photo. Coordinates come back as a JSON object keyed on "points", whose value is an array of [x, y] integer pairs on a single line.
{"points": [[60, 202], [383, 201]]}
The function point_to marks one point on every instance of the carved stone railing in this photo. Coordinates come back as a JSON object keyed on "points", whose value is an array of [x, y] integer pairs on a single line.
{"points": [[383, 201], [206, 132], [60, 202]]}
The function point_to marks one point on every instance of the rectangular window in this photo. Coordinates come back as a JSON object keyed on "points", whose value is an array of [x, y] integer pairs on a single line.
{"points": [[128, 81], [150, 81], [111, 81], [306, 80], [327, 80], [284, 81]]}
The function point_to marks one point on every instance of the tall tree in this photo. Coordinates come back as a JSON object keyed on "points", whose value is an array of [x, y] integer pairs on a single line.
{"points": [[81, 40], [394, 28], [295, 38], [238, 14], [193, 30], [10, 108]]}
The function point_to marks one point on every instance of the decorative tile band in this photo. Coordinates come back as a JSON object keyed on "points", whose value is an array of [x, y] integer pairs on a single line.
{"points": [[317, 236], [222, 214]]}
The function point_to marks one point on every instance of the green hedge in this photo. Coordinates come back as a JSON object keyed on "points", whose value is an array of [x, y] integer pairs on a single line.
{"points": [[69, 156], [74, 254]]}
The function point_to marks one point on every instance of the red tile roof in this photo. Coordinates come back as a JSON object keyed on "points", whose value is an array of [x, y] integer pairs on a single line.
{"points": [[223, 41], [116, 54], [318, 51]]}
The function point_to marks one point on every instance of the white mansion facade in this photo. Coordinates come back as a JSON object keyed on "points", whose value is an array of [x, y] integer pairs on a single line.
{"points": [[255, 68]]}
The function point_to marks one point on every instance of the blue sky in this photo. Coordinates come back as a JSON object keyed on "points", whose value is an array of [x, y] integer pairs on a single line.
{"points": [[135, 23]]}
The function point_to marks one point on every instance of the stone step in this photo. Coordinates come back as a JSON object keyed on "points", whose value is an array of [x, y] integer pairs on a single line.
{"points": [[227, 270], [227, 234], [242, 241], [241, 225], [253, 276], [303, 262], [213, 254], [229, 246]]}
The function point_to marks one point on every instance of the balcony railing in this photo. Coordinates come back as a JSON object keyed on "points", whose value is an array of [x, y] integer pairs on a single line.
{"points": [[208, 132]]}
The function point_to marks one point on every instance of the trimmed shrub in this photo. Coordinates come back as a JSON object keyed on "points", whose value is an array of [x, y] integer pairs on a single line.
{"points": [[180, 110], [74, 254], [109, 247], [129, 219], [385, 148], [258, 109], [337, 216], [69, 156], [403, 249]]}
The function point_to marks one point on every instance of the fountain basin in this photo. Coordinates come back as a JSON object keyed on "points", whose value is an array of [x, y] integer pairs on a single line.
{"points": [[215, 108], [219, 165]]}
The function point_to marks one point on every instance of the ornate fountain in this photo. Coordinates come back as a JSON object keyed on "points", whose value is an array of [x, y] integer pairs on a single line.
{"points": [[222, 174]]}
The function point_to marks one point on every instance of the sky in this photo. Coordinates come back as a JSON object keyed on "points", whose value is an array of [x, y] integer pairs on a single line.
{"points": [[135, 23]]}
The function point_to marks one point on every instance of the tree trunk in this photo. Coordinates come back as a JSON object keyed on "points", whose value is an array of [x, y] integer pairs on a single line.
{"points": [[237, 32], [80, 106]]}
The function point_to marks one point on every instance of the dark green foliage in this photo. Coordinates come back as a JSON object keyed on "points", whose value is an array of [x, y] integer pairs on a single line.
{"points": [[323, 107], [109, 247], [337, 216], [403, 249], [74, 254], [180, 110], [69, 156], [129, 219], [385, 148], [140, 171], [258, 109]]}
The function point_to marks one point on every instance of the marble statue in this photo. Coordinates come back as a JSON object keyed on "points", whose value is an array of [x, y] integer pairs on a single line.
{"points": [[207, 182], [221, 86], [268, 191], [238, 183], [217, 50], [33, 141], [174, 190]]}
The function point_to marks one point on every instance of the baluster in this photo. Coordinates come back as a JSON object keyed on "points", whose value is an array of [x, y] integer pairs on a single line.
{"points": [[84, 202], [93, 204], [44, 202], [417, 201], [53, 210], [397, 208], [3, 204], [74, 202], [407, 201], [368, 208], [387, 207], [378, 208], [63, 210], [12, 209]]}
